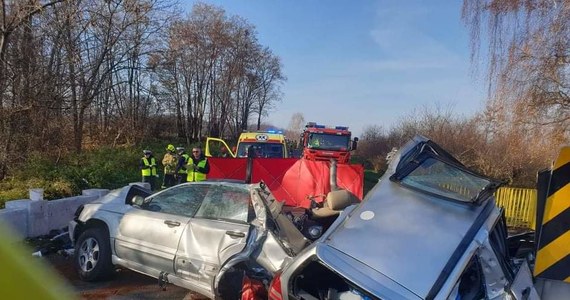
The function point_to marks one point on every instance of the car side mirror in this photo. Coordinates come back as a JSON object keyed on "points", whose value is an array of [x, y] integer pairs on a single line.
{"points": [[137, 200], [354, 144]]}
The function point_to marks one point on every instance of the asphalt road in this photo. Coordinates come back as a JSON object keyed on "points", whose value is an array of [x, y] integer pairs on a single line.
{"points": [[124, 285]]}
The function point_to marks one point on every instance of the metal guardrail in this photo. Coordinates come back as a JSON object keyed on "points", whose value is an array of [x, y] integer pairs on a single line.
{"points": [[519, 205]]}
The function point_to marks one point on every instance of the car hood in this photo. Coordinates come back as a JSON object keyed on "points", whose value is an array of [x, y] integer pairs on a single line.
{"points": [[408, 236], [116, 196], [118, 200]]}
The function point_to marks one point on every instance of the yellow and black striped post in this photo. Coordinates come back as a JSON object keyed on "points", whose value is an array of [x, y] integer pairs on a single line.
{"points": [[553, 254]]}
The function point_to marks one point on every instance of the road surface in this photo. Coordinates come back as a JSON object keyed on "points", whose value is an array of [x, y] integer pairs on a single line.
{"points": [[125, 284]]}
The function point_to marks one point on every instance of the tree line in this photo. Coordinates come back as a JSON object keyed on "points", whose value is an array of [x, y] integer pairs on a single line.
{"points": [[525, 48], [76, 74], [487, 142]]}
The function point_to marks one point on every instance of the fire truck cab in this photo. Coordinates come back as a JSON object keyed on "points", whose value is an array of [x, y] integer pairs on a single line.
{"points": [[322, 143]]}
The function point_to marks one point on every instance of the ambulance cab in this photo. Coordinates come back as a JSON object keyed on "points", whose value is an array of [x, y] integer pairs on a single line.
{"points": [[265, 144]]}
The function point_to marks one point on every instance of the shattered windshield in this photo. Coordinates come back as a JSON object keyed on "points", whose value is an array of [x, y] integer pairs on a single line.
{"points": [[436, 177], [328, 141], [267, 150]]}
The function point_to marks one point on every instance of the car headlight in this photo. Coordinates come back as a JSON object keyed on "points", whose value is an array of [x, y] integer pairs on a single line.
{"points": [[315, 231]]}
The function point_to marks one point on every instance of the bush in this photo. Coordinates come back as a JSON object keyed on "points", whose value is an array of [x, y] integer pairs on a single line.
{"points": [[108, 168], [370, 180], [8, 191], [19, 189]]}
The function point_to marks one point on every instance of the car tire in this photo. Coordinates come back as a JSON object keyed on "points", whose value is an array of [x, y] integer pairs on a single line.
{"points": [[231, 284], [93, 255]]}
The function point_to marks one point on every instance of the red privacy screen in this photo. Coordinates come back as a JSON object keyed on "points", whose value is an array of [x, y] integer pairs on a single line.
{"points": [[290, 179]]}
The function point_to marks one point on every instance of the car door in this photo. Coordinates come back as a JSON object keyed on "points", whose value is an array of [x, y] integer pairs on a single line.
{"points": [[213, 146], [149, 234], [218, 230]]}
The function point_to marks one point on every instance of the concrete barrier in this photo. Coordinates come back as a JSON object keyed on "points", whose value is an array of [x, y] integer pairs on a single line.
{"points": [[31, 218]]}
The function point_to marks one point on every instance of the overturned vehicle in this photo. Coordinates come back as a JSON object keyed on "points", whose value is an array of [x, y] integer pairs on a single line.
{"points": [[428, 230]]}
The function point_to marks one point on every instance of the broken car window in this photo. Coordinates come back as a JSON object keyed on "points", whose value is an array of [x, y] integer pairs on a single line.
{"points": [[439, 178], [471, 284], [182, 200], [225, 203]]}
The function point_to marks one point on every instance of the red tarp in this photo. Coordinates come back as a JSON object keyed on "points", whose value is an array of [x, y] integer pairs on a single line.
{"points": [[289, 179]]}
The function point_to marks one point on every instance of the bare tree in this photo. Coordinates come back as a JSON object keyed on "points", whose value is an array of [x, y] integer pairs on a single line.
{"points": [[80, 73], [374, 146], [295, 127], [18, 74], [14, 14], [528, 56], [217, 73], [268, 71]]}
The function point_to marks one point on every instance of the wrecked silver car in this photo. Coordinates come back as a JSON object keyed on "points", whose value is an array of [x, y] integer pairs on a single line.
{"points": [[429, 229], [204, 236]]}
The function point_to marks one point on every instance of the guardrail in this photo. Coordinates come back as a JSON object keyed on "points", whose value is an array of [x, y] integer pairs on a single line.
{"points": [[31, 218], [519, 205], [34, 217]]}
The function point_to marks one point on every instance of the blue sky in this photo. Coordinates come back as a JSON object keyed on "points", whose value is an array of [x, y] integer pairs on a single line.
{"points": [[365, 62]]}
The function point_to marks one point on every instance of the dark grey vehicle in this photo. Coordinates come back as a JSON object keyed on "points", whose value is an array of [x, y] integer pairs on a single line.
{"points": [[428, 230]]}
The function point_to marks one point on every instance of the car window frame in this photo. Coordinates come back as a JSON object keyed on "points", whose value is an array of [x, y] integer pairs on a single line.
{"points": [[413, 163], [250, 210], [288, 236], [476, 260], [150, 199]]}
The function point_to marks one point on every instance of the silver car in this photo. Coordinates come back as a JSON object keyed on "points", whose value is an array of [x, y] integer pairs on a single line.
{"points": [[204, 236], [428, 230]]}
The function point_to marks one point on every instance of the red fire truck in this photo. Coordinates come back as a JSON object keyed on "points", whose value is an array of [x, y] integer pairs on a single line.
{"points": [[323, 143]]}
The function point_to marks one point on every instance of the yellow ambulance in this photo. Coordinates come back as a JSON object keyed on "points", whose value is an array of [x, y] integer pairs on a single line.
{"points": [[265, 144]]}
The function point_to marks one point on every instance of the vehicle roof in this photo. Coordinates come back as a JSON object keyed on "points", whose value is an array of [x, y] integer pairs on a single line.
{"points": [[406, 235], [252, 137], [328, 130]]}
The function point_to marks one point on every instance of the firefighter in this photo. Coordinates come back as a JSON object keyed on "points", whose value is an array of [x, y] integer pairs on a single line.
{"points": [[148, 169], [198, 166], [169, 161], [180, 172], [315, 143]]}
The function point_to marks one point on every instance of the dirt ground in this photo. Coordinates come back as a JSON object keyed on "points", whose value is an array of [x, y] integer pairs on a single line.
{"points": [[124, 285]]}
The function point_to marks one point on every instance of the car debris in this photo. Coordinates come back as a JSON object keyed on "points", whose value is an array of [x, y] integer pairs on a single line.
{"points": [[57, 241]]}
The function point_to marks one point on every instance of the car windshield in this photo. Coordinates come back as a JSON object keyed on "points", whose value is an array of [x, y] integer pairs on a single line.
{"points": [[267, 150], [328, 141], [437, 177]]}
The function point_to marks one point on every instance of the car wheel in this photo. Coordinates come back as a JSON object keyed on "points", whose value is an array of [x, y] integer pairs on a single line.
{"points": [[231, 285], [93, 255]]}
